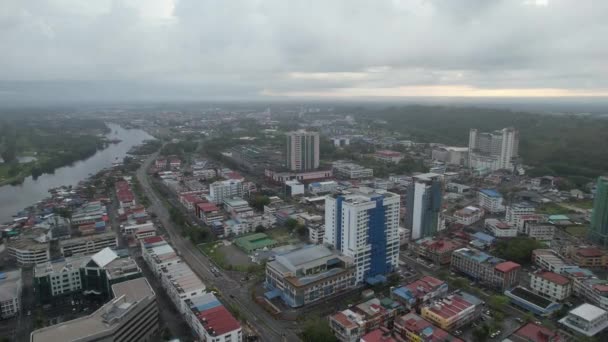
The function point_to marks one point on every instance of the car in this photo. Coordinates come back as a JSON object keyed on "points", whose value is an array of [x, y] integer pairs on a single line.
{"points": [[29, 312], [519, 320]]}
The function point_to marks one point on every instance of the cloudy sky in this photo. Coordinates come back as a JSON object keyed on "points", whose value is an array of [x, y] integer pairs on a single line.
{"points": [[202, 49]]}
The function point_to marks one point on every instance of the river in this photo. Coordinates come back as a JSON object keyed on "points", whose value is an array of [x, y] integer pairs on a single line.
{"points": [[14, 198]]}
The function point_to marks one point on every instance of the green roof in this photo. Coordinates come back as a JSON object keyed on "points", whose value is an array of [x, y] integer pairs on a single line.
{"points": [[255, 241], [558, 218]]}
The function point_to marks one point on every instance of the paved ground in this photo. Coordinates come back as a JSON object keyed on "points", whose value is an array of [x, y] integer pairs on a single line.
{"points": [[234, 294], [234, 256]]}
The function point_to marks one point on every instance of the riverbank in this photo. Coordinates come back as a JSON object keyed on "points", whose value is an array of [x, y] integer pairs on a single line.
{"points": [[13, 198]]}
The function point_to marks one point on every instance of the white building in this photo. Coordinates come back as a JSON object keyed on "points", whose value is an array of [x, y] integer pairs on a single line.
{"points": [[585, 320], [157, 253], [294, 188], [211, 321], [221, 190], [28, 252], [180, 283], [302, 152], [493, 150], [491, 200], [517, 212], [63, 276], [539, 231], [550, 284], [10, 293], [88, 244], [349, 170], [499, 228], [322, 187], [468, 215], [451, 155], [316, 233], [364, 225], [549, 260], [388, 156], [238, 207]]}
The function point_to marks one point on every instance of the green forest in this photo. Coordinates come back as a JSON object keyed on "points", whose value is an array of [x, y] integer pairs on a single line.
{"points": [[52, 143], [561, 145]]}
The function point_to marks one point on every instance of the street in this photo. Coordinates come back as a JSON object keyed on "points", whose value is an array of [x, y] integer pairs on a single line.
{"points": [[233, 293]]}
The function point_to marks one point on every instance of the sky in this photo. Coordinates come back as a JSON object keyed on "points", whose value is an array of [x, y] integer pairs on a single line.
{"points": [[252, 49]]}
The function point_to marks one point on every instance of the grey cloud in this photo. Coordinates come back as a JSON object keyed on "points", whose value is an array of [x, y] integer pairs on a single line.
{"points": [[241, 48]]}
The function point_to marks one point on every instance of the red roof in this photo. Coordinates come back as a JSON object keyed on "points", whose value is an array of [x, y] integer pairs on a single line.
{"points": [[191, 198], [589, 252], [600, 287], [424, 285], [507, 266], [153, 239], [536, 333], [554, 277], [441, 246], [343, 320], [234, 175], [207, 207], [378, 335], [457, 305], [218, 319]]}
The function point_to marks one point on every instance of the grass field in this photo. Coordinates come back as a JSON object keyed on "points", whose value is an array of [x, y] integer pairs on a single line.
{"points": [[577, 230], [281, 235], [583, 204], [228, 257], [552, 209]]}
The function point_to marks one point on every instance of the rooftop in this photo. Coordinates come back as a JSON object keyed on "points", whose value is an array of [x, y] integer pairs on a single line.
{"points": [[414, 323], [530, 297], [378, 335], [490, 193], [507, 266], [536, 333], [127, 295], [453, 305], [590, 252], [553, 277], [218, 321], [438, 245], [587, 312]]}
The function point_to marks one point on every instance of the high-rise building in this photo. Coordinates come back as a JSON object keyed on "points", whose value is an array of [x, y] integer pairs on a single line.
{"points": [[302, 152], [221, 190], [493, 150], [598, 231], [423, 205], [364, 225]]}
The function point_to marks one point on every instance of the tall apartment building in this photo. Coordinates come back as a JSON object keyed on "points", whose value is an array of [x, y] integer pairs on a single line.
{"points": [[423, 205], [302, 151], [493, 150], [552, 285], [10, 293], [222, 190], [131, 316], [485, 268], [598, 230], [364, 225]]}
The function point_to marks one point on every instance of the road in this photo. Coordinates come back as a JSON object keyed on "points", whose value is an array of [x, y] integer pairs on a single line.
{"points": [[232, 292]]}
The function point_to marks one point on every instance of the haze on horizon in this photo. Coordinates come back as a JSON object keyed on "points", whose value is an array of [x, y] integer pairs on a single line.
{"points": [[54, 50]]}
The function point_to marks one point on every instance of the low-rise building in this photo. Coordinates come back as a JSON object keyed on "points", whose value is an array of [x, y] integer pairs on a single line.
{"points": [[491, 200], [516, 211], [237, 207], [468, 215], [221, 190], [293, 188], [352, 324], [420, 291], [58, 278], [590, 257], [585, 320], [131, 316], [439, 251], [28, 252], [550, 284], [588, 286], [500, 228], [454, 311], [209, 213], [532, 332], [254, 242], [316, 233], [388, 156], [157, 253], [549, 260], [189, 200], [348, 170], [211, 321], [308, 274], [322, 187], [532, 302], [539, 231], [482, 267], [88, 244], [180, 283], [412, 327], [10, 293]]}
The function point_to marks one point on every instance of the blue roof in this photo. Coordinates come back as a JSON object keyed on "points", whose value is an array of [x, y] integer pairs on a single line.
{"points": [[208, 305], [404, 293], [484, 237], [490, 192]]}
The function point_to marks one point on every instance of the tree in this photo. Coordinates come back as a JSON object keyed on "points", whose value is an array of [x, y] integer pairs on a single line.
{"points": [[518, 249], [259, 202], [498, 302], [301, 231], [259, 228], [481, 334], [291, 224], [317, 330]]}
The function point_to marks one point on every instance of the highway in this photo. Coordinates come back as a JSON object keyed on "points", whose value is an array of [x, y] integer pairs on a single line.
{"points": [[233, 292]]}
